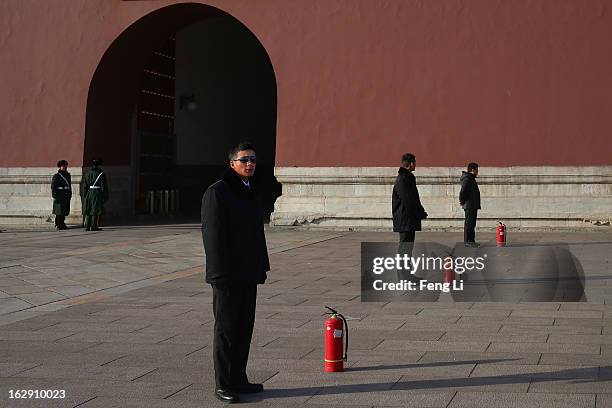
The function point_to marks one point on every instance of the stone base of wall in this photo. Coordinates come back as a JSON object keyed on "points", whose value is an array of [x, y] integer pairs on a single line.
{"points": [[360, 198], [521, 197], [25, 194]]}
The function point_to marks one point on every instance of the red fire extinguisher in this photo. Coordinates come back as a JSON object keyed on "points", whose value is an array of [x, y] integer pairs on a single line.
{"points": [[501, 234], [449, 274], [334, 333]]}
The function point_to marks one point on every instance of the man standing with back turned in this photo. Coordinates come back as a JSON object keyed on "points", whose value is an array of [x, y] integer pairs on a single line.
{"points": [[96, 194], [469, 198], [236, 262], [406, 204]]}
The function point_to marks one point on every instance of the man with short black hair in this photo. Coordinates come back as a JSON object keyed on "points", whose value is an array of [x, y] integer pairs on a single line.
{"points": [[61, 190], [236, 262], [406, 203], [469, 198]]}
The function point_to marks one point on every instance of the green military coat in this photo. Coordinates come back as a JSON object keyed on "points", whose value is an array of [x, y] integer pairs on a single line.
{"points": [[95, 191], [61, 190]]}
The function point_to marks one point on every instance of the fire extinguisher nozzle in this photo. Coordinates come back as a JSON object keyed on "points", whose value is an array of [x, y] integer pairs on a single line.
{"points": [[331, 311]]}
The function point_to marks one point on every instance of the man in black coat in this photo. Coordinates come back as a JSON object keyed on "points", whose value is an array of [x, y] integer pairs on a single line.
{"points": [[236, 262], [469, 198], [61, 191], [405, 202]]}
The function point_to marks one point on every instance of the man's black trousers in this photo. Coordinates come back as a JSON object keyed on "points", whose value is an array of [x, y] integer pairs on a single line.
{"points": [[407, 236], [234, 311], [60, 220], [469, 235], [406, 243]]}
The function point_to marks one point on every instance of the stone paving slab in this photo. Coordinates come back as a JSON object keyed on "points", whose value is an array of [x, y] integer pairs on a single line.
{"points": [[81, 359], [11, 369], [449, 327], [507, 400], [381, 396], [567, 314], [535, 371], [279, 397], [139, 349], [562, 330], [76, 373], [106, 402], [482, 384], [34, 336], [582, 322], [292, 352], [545, 348], [13, 304], [7, 346], [400, 345], [464, 336], [580, 338], [195, 375], [141, 335], [67, 402], [515, 320], [523, 306], [413, 370], [576, 359], [445, 357], [42, 298], [599, 386], [490, 313], [129, 390]]}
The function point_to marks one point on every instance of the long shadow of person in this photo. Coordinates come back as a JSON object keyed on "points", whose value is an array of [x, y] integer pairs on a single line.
{"points": [[581, 375]]}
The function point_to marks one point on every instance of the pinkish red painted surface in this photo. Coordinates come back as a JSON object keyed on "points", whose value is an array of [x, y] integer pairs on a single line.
{"points": [[359, 81]]}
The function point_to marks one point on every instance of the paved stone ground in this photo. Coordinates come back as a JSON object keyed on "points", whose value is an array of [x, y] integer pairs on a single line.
{"points": [[122, 318]]}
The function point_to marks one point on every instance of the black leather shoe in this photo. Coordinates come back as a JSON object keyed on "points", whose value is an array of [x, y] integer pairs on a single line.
{"points": [[249, 388], [227, 396]]}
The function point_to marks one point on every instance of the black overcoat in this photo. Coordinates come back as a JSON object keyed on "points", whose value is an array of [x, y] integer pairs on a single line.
{"points": [[406, 203], [233, 233], [61, 190], [469, 196]]}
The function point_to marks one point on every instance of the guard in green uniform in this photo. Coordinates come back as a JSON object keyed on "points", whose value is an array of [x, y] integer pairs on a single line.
{"points": [[96, 194], [61, 190]]}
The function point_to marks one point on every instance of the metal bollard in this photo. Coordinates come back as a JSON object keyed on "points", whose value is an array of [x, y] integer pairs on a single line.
{"points": [[159, 201], [150, 201], [166, 202], [172, 198], [162, 202]]}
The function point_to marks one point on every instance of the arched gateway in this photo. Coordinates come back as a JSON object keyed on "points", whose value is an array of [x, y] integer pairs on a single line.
{"points": [[169, 97]]}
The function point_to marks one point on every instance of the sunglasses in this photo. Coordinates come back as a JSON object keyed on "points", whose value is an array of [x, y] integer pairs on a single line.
{"points": [[246, 159]]}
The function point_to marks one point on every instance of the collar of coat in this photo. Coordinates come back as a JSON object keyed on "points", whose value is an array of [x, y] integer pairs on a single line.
{"points": [[235, 182], [404, 171]]}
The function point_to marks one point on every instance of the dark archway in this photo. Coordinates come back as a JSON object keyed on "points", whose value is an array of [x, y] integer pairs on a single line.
{"points": [[170, 96]]}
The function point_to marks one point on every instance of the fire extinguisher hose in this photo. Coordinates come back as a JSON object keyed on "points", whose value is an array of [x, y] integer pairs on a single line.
{"points": [[335, 313]]}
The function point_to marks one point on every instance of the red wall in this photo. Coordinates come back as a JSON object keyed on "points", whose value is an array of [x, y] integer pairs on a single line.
{"points": [[359, 81]]}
